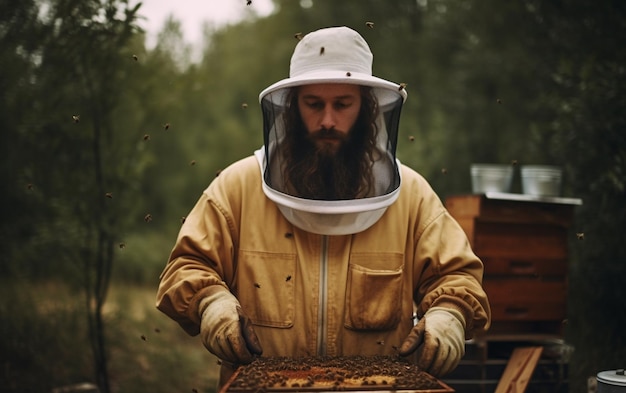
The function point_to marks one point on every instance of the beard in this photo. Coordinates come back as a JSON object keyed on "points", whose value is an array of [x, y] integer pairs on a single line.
{"points": [[326, 165]]}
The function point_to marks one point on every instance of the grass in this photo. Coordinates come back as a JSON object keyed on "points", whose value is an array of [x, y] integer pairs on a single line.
{"points": [[44, 334]]}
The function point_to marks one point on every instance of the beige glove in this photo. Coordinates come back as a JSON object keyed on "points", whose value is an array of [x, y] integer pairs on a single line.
{"points": [[226, 332], [439, 339]]}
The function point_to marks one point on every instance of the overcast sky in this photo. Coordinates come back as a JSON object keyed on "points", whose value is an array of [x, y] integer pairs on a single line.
{"points": [[193, 12]]}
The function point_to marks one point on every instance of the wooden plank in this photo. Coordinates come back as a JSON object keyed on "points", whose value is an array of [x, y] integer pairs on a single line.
{"points": [[527, 372], [519, 369]]}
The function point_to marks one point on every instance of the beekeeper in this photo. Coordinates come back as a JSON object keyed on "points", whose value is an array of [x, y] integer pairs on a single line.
{"points": [[322, 243]]}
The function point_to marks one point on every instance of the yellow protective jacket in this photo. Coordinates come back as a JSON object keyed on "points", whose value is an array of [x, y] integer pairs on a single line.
{"points": [[310, 294]]}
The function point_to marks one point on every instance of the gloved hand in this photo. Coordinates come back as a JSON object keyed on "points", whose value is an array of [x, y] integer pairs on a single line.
{"points": [[226, 332], [439, 339]]}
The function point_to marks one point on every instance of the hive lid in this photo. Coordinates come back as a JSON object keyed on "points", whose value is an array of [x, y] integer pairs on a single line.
{"points": [[612, 377], [533, 198]]}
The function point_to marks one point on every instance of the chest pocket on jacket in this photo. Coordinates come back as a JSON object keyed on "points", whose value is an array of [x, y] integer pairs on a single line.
{"points": [[266, 288], [374, 294]]}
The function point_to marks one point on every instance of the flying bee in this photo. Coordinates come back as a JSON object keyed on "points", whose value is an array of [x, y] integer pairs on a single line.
{"points": [[192, 163], [248, 2], [444, 171], [143, 337], [166, 126], [76, 118], [322, 50], [157, 330], [135, 58], [244, 105], [288, 278], [298, 36], [109, 195], [499, 101], [288, 235], [514, 162], [29, 186], [580, 236], [122, 245], [182, 219], [147, 217], [257, 285], [217, 173], [146, 137], [402, 86], [369, 24], [411, 138], [348, 73]]}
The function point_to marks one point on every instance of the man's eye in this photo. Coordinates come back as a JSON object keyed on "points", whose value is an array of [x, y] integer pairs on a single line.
{"points": [[315, 105], [341, 105]]}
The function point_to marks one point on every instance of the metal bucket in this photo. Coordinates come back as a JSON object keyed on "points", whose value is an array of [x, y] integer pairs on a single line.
{"points": [[541, 180], [491, 178], [613, 381]]}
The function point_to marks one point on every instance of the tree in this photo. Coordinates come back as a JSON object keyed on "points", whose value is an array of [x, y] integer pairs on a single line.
{"points": [[79, 162]]}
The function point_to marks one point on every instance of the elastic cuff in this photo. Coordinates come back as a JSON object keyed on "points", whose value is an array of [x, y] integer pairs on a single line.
{"points": [[194, 311], [455, 312]]}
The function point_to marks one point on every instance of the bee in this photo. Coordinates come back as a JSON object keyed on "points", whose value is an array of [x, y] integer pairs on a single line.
{"points": [[288, 278], [135, 58], [146, 137], [257, 285], [122, 245], [182, 219], [76, 118], [166, 126], [143, 337], [514, 162], [499, 101], [157, 330], [369, 24], [381, 342], [248, 2], [147, 217], [217, 173], [298, 36], [29, 186], [244, 105], [580, 236], [192, 163], [444, 171], [322, 50], [109, 195], [348, 73], [288, 235], [402, 86], [411, 138]]}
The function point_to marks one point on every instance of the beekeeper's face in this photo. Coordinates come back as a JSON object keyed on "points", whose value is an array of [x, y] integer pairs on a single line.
{"points": [[329, 111]]}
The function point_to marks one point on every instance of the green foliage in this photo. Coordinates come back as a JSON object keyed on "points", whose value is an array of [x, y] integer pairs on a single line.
{"points": [[488, 81]]}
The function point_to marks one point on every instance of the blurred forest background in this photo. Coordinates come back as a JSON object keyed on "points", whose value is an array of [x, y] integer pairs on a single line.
{"points": [[107, 144]]}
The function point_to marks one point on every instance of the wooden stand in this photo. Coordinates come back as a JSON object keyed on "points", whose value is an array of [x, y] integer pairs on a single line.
{"points": [[523, 243]]}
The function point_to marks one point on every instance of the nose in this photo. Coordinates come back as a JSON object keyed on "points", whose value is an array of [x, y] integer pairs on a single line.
{"points": [[328, 120]]}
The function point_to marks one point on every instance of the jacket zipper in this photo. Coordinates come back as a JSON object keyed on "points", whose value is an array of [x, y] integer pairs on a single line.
{"points": [[322, 323]]}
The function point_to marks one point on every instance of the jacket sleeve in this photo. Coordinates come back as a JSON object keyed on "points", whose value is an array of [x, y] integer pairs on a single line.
{"points": [[450, 274], [201, 257]]}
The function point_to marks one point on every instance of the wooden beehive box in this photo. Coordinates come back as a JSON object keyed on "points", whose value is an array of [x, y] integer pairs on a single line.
{"points": [[523, 243]]}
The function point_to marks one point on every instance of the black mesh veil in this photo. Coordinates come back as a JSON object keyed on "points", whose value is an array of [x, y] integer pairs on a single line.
{"points": [[384, 167]]}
